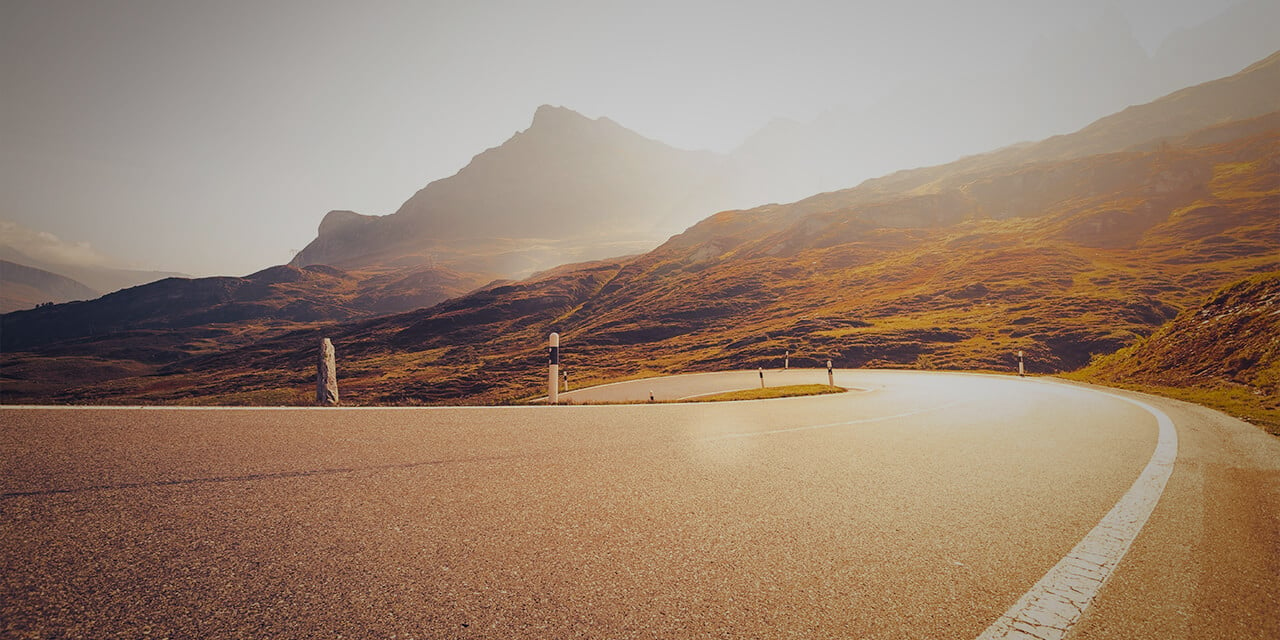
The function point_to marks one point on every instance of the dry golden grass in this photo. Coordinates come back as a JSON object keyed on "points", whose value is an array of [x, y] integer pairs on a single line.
{"points": [[1065, 261], [789, 391]]}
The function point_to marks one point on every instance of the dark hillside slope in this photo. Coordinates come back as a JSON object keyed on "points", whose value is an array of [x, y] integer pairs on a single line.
{"points": [[1229, 345]]}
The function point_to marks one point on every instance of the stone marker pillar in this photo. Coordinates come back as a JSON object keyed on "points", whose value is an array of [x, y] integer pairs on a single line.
{"points": [[553, 375], [326, 376]]}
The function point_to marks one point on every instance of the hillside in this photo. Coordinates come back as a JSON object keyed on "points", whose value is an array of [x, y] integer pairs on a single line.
{"points": [[134, 331], [1064, 260], [1252, 93], [23, 287], [958, 266], [1226, 350], [566, 189]]}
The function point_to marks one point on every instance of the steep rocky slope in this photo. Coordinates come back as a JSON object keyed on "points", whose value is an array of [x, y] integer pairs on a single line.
{"points": [[1228, 346], [1234, 337]]}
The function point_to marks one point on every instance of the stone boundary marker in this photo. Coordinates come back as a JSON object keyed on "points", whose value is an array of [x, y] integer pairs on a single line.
{"points": [[326, 375]]}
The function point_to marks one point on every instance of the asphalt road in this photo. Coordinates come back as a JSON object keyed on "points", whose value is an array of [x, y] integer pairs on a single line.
{"points": [[923, 506]]}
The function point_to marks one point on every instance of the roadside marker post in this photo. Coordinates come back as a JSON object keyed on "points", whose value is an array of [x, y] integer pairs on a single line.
{"points": [[786, 361], [831, 378], [761, 377], [1022, 370], [326, 375], [553, 373]]}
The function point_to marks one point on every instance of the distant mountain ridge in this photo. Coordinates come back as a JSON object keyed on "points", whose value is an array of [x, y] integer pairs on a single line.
{"points": [[201, 311], [567, 188], [1058, 86], [23, 287], [956, 266], [98, 278], [1252, 93]]}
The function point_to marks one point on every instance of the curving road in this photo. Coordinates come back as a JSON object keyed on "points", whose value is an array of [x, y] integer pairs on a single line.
{"points": [[923, 506]]}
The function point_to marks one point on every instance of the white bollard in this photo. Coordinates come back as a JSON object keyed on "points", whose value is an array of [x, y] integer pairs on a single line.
{"points": [[761, 377], [786, 361], [326, 376], [1022, 370], [831, 377], [553, 375]]}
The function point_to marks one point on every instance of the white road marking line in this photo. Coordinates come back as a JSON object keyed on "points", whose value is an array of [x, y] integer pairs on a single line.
{"points": [[811, 427], [1053, 606]]}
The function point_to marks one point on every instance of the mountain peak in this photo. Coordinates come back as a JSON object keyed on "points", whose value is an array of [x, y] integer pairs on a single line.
{"points": [[552, 117]]}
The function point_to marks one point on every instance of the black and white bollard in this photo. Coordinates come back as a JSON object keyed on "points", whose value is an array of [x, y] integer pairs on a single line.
{"points": [[1022, 370], [326, 376], [831, 378], [553, 374], [761, 377], [786, 361]]}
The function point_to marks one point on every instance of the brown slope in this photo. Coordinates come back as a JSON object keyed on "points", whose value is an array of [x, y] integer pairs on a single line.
{"points": [[138, 330], [1228, 348], [1234, 337], [1251, 93], [1063, 260]]}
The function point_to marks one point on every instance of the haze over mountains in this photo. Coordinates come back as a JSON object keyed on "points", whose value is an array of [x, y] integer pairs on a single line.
{"points": [[1059, 86], [570, 188], [1068, 248], [91, 274], [23, 287], [567, 187], [364, 127]]}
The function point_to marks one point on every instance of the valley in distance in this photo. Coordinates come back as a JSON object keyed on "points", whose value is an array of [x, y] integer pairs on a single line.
{"points": [[1142, 250]]}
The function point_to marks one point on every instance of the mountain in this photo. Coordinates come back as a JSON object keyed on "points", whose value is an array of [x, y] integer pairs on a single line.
{"points": [[1245, 31], [1229, 343], [1063, 255], [1065, 260], [23, 287], [1057, 86], [567, 188], [97, 278], [134, 331], [1215, 108]]}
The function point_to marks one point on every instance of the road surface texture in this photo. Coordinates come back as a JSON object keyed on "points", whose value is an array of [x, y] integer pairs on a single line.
{"points": [[923, 506]]}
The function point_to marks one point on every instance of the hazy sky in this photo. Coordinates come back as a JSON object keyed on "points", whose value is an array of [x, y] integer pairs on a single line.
{"points": [[210, 137]]}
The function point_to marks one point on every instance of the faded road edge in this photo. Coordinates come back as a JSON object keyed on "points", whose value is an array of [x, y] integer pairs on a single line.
{"points": [[1053, 606]]}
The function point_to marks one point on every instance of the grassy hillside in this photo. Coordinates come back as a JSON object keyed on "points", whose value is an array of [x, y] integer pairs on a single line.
{"points": [[1224, 353], [1063, 256], [1064, 260]]}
